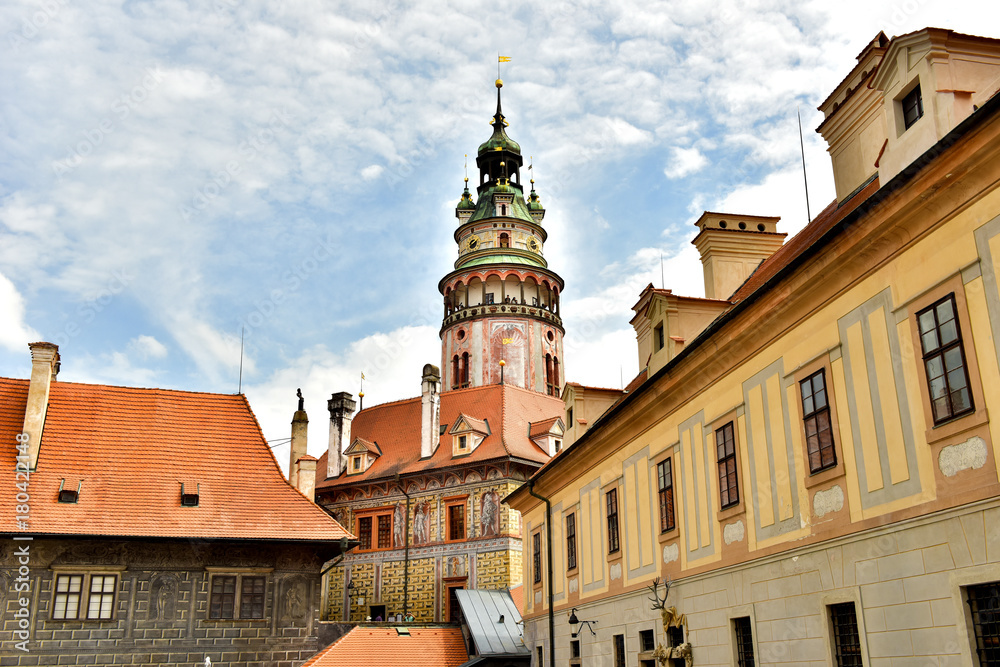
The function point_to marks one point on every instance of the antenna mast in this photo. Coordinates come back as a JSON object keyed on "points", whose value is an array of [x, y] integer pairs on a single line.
{"points": [[802, 147]]}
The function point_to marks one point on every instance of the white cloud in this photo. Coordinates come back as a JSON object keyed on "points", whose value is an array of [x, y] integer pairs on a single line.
{"points": [[684, 162], [371, 172], [147, 347], [15, 334]]}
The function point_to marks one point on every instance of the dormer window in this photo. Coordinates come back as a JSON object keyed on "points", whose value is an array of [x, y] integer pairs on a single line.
{"points": [[913, 107], [463, 443], [189, 496], [355, 464], [69, 495]]}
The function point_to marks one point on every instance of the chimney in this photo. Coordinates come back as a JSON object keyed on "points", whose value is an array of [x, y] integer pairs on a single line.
{"points": [[44, 368], [430, 410], [300, 428], [306, 475], [732, 247], [341, 406]]}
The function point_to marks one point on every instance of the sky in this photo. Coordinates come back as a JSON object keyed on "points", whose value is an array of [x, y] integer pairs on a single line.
{"points": [[175, 174]]}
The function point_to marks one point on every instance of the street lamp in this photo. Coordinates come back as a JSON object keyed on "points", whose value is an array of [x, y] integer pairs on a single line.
{"points": [[575, 622]]}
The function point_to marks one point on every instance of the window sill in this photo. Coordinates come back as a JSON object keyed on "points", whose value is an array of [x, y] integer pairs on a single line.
{"points": [[668, 535], [825, 475], [616, 556], [730, 512], [955, 426]]}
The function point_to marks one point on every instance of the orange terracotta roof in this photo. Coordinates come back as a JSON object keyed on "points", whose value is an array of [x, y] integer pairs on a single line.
{"points": [[590, 388], [477, 425], [396, 428], [422, 647], [132, 448], [517, 594], [543, 427], [805, 239]]}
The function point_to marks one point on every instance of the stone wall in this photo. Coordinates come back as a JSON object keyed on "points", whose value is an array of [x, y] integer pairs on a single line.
{"points": [[160, 608], [907, 584]]}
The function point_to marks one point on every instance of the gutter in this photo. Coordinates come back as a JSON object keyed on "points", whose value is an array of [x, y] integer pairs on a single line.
{"points": [[548, 553]]}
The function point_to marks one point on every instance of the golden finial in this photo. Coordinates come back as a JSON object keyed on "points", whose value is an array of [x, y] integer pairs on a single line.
{"points": [[499, 83], [503, 363]]}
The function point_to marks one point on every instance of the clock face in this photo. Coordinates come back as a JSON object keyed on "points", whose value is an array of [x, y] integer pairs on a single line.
{"points": [[533, 244], [473, 242]]}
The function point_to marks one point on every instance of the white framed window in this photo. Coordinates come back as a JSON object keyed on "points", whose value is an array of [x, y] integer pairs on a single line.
{"points": [[84, 596]]}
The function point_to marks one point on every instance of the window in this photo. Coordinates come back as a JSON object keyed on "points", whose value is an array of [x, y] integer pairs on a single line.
{"points": [[551, 375], [230, 592], [725, 445], [574, 648], [571, 542], [619, 650], [536, 557], [538, 657], [612, 503], [66, 604], [489, 298], [816, 415], [252, 597], [456, 522], [454, 372], [365, 533], [76, 592], [658, 340], [102, 596], [384, 531], [646, 640], [463, 442], [504, 238], [913, 107], [569, 418], [558, 446], [846, 639], [465, 370], [665, 480], [944, 361], [744, 642], [984, 602], [356, 464]]}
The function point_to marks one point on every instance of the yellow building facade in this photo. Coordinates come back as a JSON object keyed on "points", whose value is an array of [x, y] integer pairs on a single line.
{"points": [[816, 470]]}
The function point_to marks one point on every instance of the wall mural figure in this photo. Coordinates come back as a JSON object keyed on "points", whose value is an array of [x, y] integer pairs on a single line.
{"points": [[489, 514], [164, 591], [420, 521], [398, 526], [294, 602]]}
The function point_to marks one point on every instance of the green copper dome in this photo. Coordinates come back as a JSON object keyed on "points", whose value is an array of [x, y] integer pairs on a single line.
{"points": [[499, 141], [534, 203], [466, 203]]}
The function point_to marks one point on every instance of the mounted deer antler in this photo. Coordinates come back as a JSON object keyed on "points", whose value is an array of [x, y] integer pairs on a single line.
{"points": [[668, 615], [657, 602]]}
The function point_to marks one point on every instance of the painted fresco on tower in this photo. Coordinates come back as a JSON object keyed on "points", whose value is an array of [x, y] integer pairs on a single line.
{"points": [[508, 341]]}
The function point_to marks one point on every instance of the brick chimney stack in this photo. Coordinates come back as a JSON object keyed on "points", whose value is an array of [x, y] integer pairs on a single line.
{"points": [[430, 410], [300, 430], [44, 368], [341, 406]]}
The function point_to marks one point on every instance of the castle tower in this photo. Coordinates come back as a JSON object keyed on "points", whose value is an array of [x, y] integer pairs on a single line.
{"points": [[501, 303]]}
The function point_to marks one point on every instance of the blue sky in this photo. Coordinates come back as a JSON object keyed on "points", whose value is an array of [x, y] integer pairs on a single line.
{"points": [[172, 172]]}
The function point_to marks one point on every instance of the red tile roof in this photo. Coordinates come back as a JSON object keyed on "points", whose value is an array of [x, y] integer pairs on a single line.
{"points": [[517, 595], [132, 449], [396, 428], [802, 241], [423, 647], [543, 427]]}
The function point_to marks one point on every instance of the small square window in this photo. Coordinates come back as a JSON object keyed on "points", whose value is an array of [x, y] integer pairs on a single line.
{"points": [[68, 496], [913, 107], [463, 442], [237, 592], [646, 640]]}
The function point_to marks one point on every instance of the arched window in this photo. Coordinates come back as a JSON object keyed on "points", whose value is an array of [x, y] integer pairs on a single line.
{"points": [[503, 209], [555, 376], [465, 370], [504, 240], [454, 372]]}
